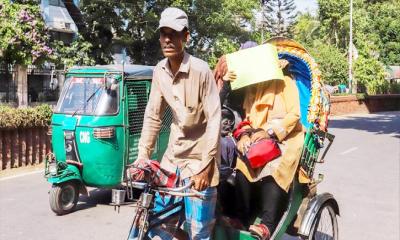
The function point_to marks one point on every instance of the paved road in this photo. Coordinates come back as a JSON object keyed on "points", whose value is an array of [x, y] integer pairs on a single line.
{"points": [[362, 171]]}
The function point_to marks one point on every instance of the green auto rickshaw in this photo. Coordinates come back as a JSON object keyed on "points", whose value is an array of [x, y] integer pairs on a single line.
{"points": [[95, 130]]}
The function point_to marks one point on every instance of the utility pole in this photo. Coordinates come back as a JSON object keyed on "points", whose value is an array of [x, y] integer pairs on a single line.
{"points": [[351, 49]]}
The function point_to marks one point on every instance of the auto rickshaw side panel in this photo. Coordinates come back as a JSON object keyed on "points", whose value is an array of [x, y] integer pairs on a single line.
{"points": [[137, 95]]}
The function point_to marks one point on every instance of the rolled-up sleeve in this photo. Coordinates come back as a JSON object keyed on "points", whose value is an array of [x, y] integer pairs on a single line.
{"points": [[212, 112], [152, 120]]}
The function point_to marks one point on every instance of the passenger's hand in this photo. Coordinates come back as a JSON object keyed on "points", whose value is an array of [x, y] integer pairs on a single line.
{"points": [[221, 68], [243, 144], [283, 63], [203, 179], [229, 76], [259, 135]]}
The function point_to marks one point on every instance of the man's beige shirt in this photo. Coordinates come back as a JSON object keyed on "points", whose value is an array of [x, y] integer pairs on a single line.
{"points": [[194, 100]]}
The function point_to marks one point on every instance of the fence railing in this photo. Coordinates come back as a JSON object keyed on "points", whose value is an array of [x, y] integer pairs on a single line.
{"points": [[23, 147]]}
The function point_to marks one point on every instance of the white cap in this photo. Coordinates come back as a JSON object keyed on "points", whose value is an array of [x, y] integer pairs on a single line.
{"points": [[174, 18]]}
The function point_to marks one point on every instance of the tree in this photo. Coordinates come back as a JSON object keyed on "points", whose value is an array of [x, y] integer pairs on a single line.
{"points": [[102, 22], [306, 29], [385, 23], [332, 63], [76, 53], [370, 74], [23, 36], [132, 25], [279, 16]]}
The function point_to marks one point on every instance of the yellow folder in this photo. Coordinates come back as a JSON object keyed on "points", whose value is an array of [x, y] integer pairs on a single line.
{"points": [[254, 65]]}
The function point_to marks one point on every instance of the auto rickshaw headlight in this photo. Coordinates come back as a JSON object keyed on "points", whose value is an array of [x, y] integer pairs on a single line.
{"points": [[108, 132], [68, 146]]}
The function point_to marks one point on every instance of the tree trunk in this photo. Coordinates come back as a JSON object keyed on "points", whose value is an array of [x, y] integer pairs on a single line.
{"points": [[22, 86]]}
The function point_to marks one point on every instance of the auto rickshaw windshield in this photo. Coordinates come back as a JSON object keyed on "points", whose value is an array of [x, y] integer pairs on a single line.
{"points": [[88, 96]]}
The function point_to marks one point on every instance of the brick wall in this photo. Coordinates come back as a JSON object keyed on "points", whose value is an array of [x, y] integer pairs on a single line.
{"points": [[376, 103]]}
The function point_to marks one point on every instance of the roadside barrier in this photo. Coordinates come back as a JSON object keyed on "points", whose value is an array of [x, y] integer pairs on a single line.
{"points": [[23, 147]]}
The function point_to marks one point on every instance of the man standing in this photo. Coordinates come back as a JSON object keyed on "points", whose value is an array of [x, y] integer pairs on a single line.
{"points": [[185, 84]]}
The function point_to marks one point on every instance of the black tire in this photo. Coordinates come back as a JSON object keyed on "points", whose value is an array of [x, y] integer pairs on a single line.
{"points": [[64, 197], [325, 225]]}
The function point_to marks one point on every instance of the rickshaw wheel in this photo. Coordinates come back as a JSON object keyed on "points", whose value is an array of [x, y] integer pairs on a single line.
{"points": [[325, 225], [64, 197]]}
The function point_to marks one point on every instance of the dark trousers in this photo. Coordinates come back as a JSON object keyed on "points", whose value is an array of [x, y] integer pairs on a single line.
{"points": [[264, 199]]}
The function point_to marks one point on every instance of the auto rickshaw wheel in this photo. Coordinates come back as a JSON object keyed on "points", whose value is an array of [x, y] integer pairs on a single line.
{"points": [[64, 197], [325, 225]]}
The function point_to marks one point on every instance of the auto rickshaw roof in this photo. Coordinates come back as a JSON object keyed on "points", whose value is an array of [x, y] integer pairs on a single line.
{"points": [[130, 70]]}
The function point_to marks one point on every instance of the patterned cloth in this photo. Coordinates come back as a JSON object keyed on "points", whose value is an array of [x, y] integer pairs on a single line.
{"points": [[160, 177]]}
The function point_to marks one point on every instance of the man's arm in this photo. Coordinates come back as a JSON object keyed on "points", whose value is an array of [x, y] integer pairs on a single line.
{"points": [[212, 112], [152, 120]]}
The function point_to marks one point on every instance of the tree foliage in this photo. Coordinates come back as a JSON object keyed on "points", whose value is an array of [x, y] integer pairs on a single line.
{"points": [[23, 37], [332, 63], [376, 37], [370, 75], [76, 53], [133, 25], [279, 16]]}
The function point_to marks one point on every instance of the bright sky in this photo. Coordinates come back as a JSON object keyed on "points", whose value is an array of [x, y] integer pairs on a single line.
{"points": [[307, 6]]}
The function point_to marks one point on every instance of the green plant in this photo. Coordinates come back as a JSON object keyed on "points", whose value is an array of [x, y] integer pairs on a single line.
{"points": [[394, 88], [332, 63], [11, 118], [23, 36], [370, 73]]}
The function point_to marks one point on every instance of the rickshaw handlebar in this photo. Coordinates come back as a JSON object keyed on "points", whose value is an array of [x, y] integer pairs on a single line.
{"points": [[178, 191]]}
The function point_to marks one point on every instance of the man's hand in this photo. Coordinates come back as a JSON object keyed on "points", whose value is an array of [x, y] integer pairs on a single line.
{"points": [[203, 179]]}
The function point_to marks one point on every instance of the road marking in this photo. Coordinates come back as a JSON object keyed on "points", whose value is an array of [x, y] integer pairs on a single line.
{"points": [[21, 175], [349, 150]]}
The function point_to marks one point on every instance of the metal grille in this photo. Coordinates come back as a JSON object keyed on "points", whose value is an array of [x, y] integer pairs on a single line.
{"points": [[137, 93], [137, 97], [8, 84]]}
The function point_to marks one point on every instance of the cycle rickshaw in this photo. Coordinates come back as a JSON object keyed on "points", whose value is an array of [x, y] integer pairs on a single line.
{"points": [[308, 215]]}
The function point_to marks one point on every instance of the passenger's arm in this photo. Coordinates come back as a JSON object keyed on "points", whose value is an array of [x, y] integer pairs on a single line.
{"points": [[152, 120], [292, 105]]}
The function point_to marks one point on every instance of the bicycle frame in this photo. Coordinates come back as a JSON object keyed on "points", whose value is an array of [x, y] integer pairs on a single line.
{"points": [[152, 219]]}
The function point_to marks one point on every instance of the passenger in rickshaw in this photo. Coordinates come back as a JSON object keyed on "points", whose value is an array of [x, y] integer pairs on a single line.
{"points": [[273, 107]]}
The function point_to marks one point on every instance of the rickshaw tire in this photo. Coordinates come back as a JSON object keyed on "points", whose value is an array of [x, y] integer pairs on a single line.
{"points": [[331, 209], [135, 226], [61, 204]]}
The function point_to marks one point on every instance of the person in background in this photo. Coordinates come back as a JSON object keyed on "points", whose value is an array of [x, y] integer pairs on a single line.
{"points": [[185, 84]]}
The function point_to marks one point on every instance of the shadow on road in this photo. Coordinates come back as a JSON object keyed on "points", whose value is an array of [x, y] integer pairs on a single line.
{"points": [[95, 197], [385, 123]]}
